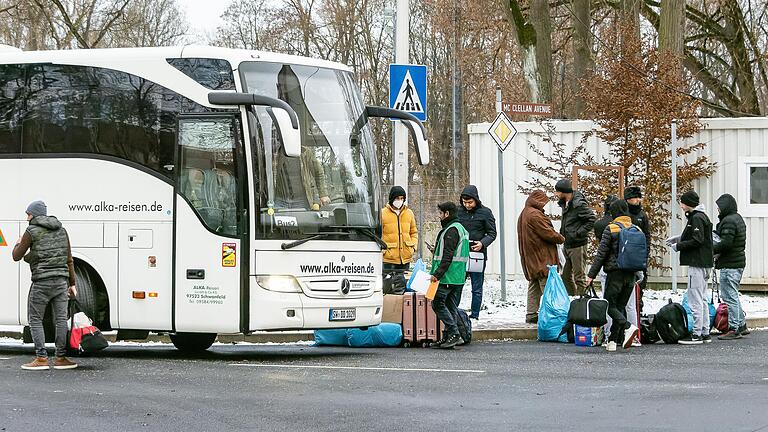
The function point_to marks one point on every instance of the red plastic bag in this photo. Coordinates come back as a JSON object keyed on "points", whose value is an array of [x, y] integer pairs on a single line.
{"points": [[721, 318]]}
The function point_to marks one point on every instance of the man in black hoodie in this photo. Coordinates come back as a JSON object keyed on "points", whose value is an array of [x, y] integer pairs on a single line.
{"points": [[576, 224], [695, 247], [634, 198], [481, 225], [731, 260]]}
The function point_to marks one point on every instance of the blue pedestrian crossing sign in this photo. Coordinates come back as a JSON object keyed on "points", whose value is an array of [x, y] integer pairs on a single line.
{"points": [[408, 89]]}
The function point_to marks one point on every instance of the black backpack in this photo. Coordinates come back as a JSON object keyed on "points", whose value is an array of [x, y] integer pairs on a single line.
{"points": [[465, 326], [671, 322], [394, 282], [648, 333]]}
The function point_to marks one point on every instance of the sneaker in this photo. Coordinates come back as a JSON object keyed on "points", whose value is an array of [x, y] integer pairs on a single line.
{"points": [[611, 347], [691, 340], [437, 344], [451, 341], [731, 335], [62, 363], [744, 330], [706, 339], [629, 335], [636, 343], [39, 363]]}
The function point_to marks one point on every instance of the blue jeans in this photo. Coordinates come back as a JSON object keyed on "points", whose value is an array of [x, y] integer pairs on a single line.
{"points": [[730, 279], [477, 292]]}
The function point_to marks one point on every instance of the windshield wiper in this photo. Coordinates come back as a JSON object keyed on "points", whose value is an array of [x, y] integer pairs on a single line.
{"points": [[293, 244], [366, 232]]}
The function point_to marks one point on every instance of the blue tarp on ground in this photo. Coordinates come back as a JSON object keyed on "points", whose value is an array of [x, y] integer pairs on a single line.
{"points": [[384, 335]]}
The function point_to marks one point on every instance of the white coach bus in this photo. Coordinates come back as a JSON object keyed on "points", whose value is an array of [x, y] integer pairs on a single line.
{"points": [[205, 190]]}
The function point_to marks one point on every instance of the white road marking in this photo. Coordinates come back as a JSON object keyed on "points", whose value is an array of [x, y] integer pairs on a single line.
{"points": [[366, 368], [5, 358]]}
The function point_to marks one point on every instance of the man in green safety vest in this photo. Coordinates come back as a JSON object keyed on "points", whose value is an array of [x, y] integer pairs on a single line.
{"points": [[449, 268]]}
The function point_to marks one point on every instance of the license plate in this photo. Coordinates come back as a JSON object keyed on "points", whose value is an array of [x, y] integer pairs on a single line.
{"points": [[342, 314]]}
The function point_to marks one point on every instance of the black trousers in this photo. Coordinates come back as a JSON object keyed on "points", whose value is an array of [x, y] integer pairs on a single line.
{"points": [[446, 308], [618, 289]]}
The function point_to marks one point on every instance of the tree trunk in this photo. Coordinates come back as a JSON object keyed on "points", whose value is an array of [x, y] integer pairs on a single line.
{"points": [[583, 62], [533, 34], [672, 26]]}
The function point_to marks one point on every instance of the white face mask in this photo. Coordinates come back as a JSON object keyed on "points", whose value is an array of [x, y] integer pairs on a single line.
{"points": [[397, 203]]}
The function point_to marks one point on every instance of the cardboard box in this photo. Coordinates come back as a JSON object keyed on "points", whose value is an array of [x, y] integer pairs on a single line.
{"points": [[393, 309]]}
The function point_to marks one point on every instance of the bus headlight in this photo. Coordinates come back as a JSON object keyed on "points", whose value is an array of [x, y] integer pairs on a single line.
{"points": [[281, 283]]}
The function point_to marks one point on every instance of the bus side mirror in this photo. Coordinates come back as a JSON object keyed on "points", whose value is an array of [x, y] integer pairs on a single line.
{"points": [[281, 113], [415, 127], [291, 136]]}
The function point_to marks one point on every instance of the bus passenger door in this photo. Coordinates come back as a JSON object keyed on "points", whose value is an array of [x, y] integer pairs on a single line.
{"points": [[209, 223]]}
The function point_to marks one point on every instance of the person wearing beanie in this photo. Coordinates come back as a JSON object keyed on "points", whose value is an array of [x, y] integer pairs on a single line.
{"points": [[695, 247], [576, 224], [45, 246], [634, 198], [478, 220], [618, 283], [399, 232]]}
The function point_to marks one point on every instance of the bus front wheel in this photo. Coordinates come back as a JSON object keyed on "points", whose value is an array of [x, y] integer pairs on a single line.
{"points": [[192, 342]]}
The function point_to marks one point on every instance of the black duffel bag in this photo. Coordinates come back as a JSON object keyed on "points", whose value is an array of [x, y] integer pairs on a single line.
{"points": [[587, 311]]}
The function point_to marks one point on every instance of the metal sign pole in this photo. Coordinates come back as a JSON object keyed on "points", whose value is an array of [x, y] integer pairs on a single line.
{"points": [[673, 209], [402, 43], [502, 237]]}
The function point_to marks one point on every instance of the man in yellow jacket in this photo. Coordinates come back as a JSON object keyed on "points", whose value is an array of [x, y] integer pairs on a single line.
{"points": [[399, 232]]}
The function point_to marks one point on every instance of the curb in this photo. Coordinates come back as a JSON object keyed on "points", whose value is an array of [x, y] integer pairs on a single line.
{"points": [[521, 333]]}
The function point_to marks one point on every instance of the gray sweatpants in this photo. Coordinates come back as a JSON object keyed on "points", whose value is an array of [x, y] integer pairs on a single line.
{"points": [[697, 288], [54, 291]]}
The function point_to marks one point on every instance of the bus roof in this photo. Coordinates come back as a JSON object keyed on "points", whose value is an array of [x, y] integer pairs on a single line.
{"points": [[234, 56], [151, 63]]}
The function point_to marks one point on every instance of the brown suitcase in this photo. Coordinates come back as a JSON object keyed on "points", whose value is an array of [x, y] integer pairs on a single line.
{"points": [[415, 319]]}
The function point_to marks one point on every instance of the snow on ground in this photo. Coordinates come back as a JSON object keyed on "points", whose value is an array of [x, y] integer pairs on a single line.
{"points": [[498, 314]]}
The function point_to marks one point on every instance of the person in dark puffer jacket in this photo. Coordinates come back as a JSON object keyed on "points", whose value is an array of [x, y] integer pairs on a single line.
{"points": [[478, 220], [731, 260], [45, 246], [619, 283], [633, 195]]}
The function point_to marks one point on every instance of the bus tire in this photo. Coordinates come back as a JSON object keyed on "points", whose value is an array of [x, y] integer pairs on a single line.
{"points": [[92, 295], [192, 342]]}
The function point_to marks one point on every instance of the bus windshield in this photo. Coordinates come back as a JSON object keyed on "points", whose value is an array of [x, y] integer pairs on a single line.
{"points": [[333, 184]]}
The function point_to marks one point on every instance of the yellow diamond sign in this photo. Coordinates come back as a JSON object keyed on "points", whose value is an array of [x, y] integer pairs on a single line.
{"points": [[502, 131]]}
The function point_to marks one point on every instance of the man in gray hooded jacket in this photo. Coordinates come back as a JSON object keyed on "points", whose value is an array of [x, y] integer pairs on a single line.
{"points": [[45, 247]]}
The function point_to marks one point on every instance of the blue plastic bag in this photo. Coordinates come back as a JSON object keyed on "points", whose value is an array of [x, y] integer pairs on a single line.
{"points": [[331, 337], [419, 266], [384, 335], [553, 312], [689, 311]]}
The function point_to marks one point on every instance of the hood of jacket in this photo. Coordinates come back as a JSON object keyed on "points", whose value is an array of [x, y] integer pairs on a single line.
{"points": [[47, 222], [727, 205], [624, 220], [538, 199], [471, 191]]}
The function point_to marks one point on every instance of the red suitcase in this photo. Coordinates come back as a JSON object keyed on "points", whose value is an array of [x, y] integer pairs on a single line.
{"points": [[414, 319]]}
